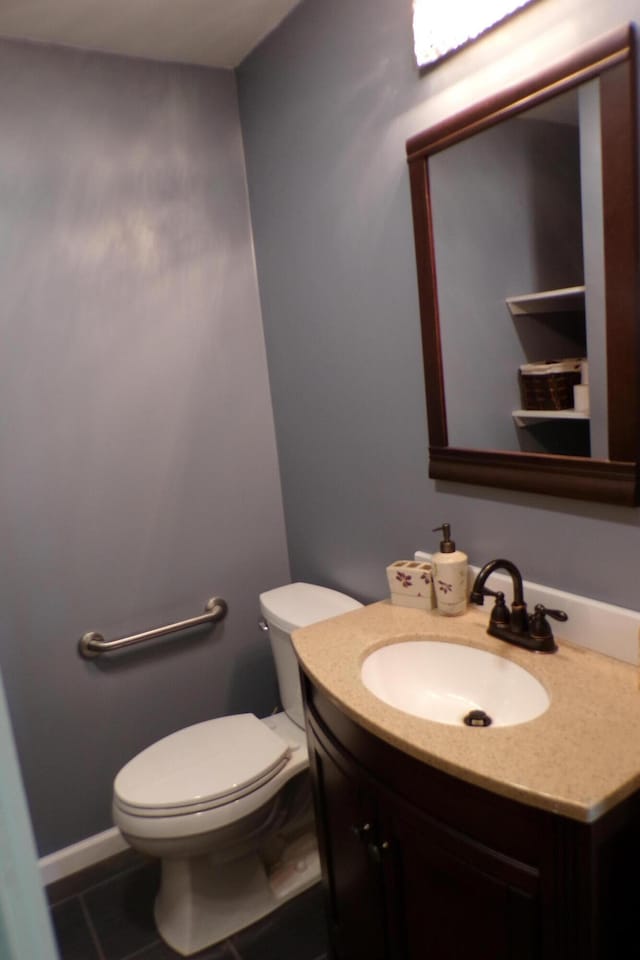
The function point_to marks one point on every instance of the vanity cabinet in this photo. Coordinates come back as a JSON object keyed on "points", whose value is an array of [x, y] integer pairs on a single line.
{"points": [[419, 865]]}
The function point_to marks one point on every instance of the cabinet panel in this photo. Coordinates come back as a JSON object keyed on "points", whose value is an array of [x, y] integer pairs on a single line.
{"points": [[458, 902], [346, 822]]}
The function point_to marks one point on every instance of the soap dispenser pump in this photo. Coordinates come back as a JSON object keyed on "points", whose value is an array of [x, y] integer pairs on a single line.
{"points": [[450, 575]]}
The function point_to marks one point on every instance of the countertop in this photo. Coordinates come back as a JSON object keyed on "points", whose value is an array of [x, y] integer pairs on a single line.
{"points": [[579, 759]]}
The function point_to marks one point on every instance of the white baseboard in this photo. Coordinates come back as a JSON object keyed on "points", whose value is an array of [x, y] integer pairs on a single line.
{"points": [[603, 627], [62, 863]]}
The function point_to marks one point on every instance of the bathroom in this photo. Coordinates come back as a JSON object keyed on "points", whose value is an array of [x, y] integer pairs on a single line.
{"points": [[180, 420]]}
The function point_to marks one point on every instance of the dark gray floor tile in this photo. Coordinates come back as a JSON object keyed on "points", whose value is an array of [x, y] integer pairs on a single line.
{"points": [[160, 951], [297, 931], [72, 932], [79, 882], [121, 911]]}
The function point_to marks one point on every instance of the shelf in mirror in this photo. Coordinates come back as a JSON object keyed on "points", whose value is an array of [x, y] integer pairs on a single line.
{"points": [[526, 418], [563, 300]]}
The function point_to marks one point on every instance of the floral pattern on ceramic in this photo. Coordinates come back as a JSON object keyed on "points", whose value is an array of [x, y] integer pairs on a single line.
{"points": [[404, 579], [411, 584], [451, 588]]}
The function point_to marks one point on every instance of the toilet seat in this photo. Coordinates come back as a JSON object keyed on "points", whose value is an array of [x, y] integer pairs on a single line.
{"points": [[201, 767], [146, 828]]}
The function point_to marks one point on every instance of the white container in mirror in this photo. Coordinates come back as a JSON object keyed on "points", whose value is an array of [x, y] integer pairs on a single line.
{"points": [[450, 575], [411, 584], [581, 397], [581, 390]]}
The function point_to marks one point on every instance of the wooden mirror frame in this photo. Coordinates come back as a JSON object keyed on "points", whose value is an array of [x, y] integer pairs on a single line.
{"points": [[616, 480]]}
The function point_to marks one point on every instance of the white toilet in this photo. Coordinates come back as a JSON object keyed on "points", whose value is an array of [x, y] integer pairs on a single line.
{"points": [[226, 803]]}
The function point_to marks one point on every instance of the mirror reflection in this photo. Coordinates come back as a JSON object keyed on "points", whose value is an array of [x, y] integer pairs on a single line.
{"points": [[525, 211], [508, 225]]}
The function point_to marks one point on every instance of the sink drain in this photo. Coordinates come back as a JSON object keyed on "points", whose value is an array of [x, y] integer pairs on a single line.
{"points": [[477, 718]]}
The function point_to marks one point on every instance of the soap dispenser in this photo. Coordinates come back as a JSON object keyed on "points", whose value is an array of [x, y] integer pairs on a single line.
{"points": [[450, 575]]}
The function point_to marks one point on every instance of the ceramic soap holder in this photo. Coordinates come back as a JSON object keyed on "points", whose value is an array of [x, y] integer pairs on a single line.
{"points": [[411, 584]]}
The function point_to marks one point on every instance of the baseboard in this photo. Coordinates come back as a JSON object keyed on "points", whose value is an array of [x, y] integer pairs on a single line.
{"points": [[78, 856]]}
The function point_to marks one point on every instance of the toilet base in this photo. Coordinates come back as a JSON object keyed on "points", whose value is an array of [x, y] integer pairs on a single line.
{"points": [[201, 903]]}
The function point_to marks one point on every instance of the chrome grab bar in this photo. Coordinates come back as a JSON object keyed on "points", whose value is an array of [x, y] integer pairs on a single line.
{"points": [[93, 644]]}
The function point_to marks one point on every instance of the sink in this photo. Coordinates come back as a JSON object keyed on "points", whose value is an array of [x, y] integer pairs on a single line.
{"points": [[446, 681]]}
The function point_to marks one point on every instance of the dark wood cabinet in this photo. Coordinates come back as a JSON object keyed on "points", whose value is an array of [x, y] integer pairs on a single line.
{"points": [[418, 865], [349, 826], [459, 900]]}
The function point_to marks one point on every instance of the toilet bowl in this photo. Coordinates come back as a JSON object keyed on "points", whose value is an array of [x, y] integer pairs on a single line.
{"points": [[225, 804]]}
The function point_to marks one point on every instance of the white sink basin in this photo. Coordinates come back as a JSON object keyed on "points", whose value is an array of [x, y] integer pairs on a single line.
{"points": [[445, 681]]}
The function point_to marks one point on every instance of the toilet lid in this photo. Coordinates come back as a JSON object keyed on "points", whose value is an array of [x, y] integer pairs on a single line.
{"points": [[201, 766]]}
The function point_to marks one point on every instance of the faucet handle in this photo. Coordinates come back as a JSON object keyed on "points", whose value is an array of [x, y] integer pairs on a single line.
{"points": [[540, 630], [543, 611]]}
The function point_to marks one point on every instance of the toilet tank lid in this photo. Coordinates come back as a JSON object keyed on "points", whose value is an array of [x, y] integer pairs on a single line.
{"points": [[301, 604]]}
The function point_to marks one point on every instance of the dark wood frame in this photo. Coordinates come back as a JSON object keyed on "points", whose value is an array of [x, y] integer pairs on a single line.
{"points": [[616, 480]]}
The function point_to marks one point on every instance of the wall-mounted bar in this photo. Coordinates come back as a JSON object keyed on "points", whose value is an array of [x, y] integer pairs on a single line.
{"points": [[93, 644]]}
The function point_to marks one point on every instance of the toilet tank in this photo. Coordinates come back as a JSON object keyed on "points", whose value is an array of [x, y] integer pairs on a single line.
{"points": [[284, 610]]}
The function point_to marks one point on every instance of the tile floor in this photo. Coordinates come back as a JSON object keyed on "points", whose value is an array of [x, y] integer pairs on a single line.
{"points": [[105, 913]]}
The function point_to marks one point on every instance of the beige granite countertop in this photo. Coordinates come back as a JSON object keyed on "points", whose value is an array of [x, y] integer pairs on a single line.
{"points": [[579, 758]]}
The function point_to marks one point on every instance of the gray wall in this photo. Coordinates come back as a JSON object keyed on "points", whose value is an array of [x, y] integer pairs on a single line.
{"points": [[139, 470], [327, 103]]}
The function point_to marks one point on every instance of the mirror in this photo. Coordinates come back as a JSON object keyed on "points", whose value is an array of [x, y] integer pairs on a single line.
{"points": [[525, 211]]}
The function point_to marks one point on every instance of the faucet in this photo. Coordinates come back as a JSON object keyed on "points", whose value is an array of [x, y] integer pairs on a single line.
{"points": [[531, 631]]}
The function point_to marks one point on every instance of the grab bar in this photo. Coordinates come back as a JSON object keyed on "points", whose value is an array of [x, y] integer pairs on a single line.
{"points": [[93, 644]]}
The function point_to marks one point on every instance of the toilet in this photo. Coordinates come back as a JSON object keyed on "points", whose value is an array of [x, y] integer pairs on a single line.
{"points": [[226, 804]]}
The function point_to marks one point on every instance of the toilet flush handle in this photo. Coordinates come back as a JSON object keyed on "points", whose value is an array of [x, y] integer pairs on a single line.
{"points": [[264, 626]]}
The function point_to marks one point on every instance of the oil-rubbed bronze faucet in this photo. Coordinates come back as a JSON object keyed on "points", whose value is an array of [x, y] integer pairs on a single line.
{"points": [[531, 631]]}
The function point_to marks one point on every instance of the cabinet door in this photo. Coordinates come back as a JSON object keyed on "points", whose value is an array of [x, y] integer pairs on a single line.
{"points": [[348, 840], [455, 899]]}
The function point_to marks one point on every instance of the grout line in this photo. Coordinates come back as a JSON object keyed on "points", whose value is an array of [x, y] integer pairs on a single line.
{"points": [[59, 903], [114, 876], [125, 869], [92, 929], [143, 950]]}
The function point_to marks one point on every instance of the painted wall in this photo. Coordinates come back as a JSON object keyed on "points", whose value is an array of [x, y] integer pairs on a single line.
{"points": [[139, 469], [327, 103]]}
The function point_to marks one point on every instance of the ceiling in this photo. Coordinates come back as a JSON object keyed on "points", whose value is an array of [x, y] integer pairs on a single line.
{"points": [[214, 33]]}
